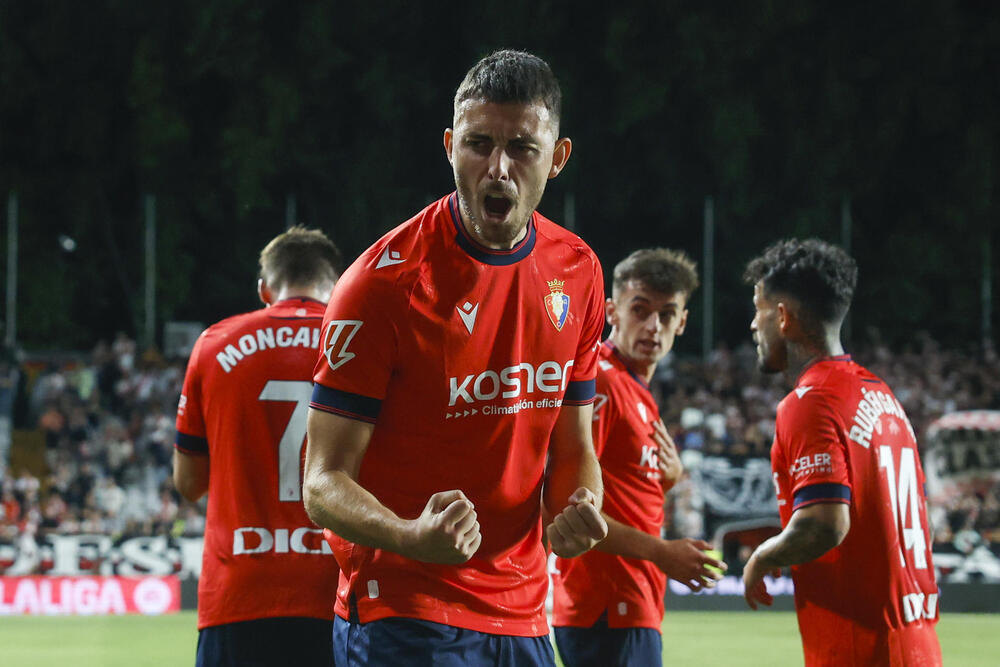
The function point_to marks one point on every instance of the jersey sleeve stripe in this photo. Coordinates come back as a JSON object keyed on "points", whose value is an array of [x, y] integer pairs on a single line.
{"points": [[190, 444], [822, 493], [346, 404], [580, 392]]}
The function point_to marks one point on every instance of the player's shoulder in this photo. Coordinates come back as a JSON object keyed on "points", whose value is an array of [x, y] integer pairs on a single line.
{"points": [[398, 257], [612, 375], [225, 328], [557, 235]]}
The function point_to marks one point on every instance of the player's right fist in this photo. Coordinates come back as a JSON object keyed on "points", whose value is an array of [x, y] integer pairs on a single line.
{"points": [[447, 531]]}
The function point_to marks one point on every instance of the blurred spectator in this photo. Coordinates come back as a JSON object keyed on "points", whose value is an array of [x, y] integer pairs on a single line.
{"points": [[108, 425]]}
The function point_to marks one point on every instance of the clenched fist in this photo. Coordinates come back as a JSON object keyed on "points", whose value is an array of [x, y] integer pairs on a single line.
{"points": [[578, 527], [447, 531]]}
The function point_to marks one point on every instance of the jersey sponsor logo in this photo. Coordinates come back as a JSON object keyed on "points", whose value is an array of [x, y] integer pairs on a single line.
{"points": [[649, 460], [182, 405], [557, 304], [511, 382], [468, 314], [255, 540], [507, 409], [802, 391], [809, 465], [266, 339], [388, 258], [917, 606], [339, 334], [868, 417]]}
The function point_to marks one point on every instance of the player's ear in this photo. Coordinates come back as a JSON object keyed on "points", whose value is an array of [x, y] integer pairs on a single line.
{"points": [[683, 323], [788, 319], [782, 316], [610, 312], [449, 136], [560, 156], [264, 292]]}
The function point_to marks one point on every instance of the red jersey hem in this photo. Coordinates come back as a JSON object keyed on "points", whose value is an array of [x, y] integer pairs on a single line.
{"points": [[457, 619], [257, 617]]}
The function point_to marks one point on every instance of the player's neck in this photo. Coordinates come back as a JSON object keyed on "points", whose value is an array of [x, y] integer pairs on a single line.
{"points": [[315, 293], [483, 237], [643, 371], [803, 354]]}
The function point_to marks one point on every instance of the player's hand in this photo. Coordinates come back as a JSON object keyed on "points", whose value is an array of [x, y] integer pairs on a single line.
{"points": [[753, 582], [578, 527], [447, 531], [685, 561], [669, 460]]}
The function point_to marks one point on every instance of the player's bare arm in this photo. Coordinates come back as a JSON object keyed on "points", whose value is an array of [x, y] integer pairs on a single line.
{"points": [[447, 531], [669, 459], [573, 491], [683, 560], [810, 533], [190, 475]]}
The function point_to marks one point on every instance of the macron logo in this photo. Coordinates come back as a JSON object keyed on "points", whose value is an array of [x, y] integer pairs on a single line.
{"points": [[388, 258], [468, 314], [802, 391]]}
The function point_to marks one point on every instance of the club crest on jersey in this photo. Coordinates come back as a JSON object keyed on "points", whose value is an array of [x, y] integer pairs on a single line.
{"points": [[557, 304]]}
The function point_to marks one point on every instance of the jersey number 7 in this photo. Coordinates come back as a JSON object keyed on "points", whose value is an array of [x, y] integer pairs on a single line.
{"points": [[290, 446]]}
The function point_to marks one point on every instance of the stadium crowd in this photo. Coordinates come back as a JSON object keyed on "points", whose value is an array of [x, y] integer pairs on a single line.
{"points": [[108, 426]]}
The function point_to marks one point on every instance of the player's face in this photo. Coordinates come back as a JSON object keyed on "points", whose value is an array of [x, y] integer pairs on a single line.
{"points": [[645, 322], [772, 351], [502, 155]]}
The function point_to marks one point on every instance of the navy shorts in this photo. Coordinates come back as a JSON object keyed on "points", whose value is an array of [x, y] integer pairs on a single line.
{"points": [[267, 641], [410, 642], [601, 646]]}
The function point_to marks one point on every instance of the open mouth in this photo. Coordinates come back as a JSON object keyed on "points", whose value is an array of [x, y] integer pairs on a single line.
{"points": [[497, 207]]}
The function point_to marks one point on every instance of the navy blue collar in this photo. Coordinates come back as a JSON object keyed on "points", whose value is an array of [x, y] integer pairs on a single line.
{"points": [[836, 357], [618, 355], [488, 255]]}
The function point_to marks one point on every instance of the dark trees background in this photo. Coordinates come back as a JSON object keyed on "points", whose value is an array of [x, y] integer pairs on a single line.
{"points": [[228, 111]]}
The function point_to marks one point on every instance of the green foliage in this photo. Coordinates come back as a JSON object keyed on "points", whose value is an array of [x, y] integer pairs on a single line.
{"points": [[224, 110]]}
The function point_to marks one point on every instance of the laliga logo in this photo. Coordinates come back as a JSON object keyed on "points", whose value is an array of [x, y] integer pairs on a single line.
{"points": [[152, 597], [339, 334]]}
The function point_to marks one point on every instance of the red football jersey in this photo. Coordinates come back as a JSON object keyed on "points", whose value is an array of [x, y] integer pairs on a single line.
{"points": [[841, 436], [630, 590], [461, 357], [244, 405]]}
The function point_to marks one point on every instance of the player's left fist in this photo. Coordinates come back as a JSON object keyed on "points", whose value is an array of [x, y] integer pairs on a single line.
{"points": [[578, 527]]}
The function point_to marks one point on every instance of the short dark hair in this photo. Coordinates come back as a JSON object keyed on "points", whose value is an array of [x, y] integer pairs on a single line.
{"points": [[512, 76], [300, 257], [820, 275], [660, 269]]}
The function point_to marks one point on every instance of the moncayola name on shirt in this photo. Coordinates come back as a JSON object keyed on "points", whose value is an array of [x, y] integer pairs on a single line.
{"points": [[266, 339]]}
